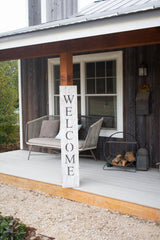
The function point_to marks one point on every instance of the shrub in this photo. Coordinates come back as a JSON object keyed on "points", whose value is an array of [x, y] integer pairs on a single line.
{"points": [[8, 101], [11, 229]]}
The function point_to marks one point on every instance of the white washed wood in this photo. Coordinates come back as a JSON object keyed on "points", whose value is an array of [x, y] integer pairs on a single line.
{"points": [[56, 9], [70, 169]]}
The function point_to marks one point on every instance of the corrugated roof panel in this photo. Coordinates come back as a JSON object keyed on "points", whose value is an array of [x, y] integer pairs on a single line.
{"points": [[121, 11], [96, 11], [110, 5]]}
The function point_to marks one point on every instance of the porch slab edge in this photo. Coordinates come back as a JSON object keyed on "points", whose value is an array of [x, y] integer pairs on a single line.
{"points": [[84, 197]]}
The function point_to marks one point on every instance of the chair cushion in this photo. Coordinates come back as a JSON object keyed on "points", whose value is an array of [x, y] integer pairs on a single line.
{"points": [[49, 128], [49, 142], [45, 142]]}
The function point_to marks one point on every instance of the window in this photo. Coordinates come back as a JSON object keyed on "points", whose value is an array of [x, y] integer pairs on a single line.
{"points": [[101, 92], [99, 87], [56, 83]]}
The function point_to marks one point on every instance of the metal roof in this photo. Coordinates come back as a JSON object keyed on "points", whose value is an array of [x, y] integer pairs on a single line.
{"points": [[99, 18], [98, 10], [110, 8]]}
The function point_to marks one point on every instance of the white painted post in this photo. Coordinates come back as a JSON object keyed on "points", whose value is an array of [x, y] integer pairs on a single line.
{"points": [[69, 136], [20, 104]]}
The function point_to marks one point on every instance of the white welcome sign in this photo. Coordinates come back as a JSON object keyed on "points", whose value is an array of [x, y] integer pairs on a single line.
{"points": [[69, 136]]}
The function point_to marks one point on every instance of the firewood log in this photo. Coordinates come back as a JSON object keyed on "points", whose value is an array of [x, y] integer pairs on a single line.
{"points": [[114, 163], [120, 163], [124, 162], [117, 159], [129, 156]]}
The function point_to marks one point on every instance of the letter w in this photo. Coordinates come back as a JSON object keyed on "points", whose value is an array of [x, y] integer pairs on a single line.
{"points": [[68, 98]]}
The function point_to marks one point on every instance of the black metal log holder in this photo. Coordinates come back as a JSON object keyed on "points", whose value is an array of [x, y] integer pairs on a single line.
{"points": [[119, 143]]}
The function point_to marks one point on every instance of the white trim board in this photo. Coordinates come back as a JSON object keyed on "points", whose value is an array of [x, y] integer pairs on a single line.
{"points": [[20, 105]]}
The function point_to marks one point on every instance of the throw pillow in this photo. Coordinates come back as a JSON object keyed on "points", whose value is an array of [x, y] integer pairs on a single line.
{"points": [[49, 128]]}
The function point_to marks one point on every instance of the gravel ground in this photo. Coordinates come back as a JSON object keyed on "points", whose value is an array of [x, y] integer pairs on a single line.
{"points": [[68, 220]]}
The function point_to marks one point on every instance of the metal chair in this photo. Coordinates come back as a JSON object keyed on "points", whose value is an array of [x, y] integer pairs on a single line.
{"points": [[88, 143]]}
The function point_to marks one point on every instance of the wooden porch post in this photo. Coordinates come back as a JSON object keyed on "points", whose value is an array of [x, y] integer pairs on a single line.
{"points": [[68, 123], [66, 69]]}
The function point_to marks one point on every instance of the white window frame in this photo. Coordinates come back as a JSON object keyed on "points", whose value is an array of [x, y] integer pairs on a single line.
{"points": [[83, 59]]}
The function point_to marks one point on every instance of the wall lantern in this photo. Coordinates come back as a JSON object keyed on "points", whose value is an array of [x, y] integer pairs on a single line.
{"points": [[142, 70]]}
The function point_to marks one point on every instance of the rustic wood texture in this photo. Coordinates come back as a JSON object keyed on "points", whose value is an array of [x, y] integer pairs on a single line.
{"points": [[146, 129], [60, 9], [99, 43], [85, 197], [34, 11], [66, 69], [34, 89]]}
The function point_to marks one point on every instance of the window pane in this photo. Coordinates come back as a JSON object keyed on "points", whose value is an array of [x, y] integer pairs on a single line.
{"points": [[100, 69], [76, 70], [76, 76], [79, 105], [90, 88], [56, 79], [57, 71], [77, 83], [100, 85], [90, 70], [111, 68], [111, 85], [56, 106], [56, 87], [103, 106]]}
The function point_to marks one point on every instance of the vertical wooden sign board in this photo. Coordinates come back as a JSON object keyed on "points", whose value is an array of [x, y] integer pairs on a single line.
{"points": [[69, 136]]}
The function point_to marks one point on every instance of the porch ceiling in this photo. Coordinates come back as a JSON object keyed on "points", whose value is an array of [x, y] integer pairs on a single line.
{"points": [[95, 43]]}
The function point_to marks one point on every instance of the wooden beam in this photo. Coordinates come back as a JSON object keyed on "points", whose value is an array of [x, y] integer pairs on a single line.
{"points": [[99, 43], [117, 40], [66, 69]]}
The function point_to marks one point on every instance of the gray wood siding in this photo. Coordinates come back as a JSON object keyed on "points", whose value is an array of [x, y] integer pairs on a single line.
{"points": [[34, 89], [34, 12], [56, 9], [145, 128]]}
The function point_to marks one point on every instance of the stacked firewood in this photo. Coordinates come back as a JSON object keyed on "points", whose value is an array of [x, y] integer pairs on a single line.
{"points": [[122, 160]]}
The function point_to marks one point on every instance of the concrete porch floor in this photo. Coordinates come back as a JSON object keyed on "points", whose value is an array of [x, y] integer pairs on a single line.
{"points": [[140, 188]]}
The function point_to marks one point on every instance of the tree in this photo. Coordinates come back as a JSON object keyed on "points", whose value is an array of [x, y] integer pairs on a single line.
{"points": [[8, 101]]}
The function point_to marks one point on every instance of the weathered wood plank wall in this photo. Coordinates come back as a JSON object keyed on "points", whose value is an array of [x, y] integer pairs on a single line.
{"points": [[34, 89], [145, 128], [148, 127], [34, 12], [56, 9]]}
